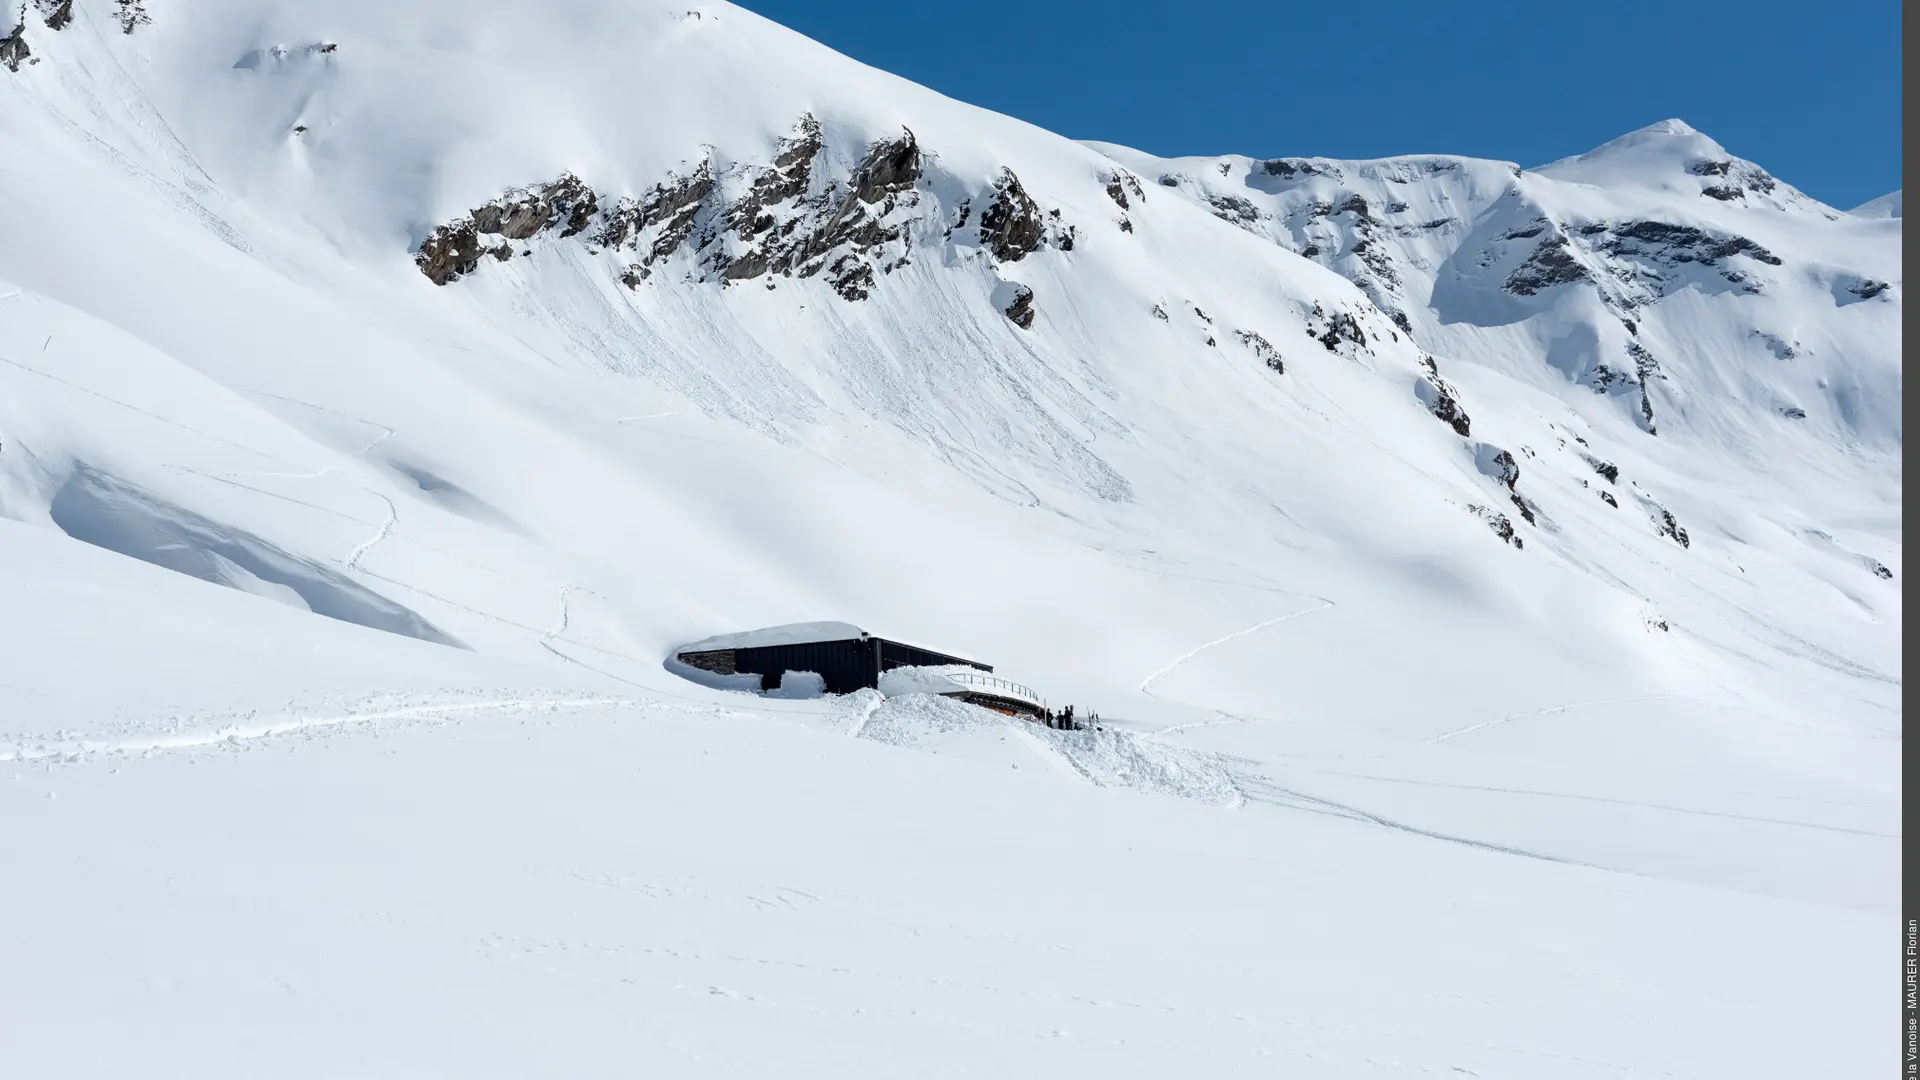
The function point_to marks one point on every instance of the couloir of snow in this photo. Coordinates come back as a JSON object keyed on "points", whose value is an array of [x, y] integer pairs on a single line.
{"points": [[1375, 789]]}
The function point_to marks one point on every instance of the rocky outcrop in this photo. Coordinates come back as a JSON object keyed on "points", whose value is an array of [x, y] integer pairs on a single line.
{"points": [[13, 47], [1234, 210], [1497, 463], [449, 252], [453, 250], [1020, 310], [1638, 257], [1500, 465], [1665, 525], [1501, 525], [789, 217], [131, 13], [1012, 226], [1344, 236], [1676, 244], [1732, 180], [846, 231], [1551, 264], [891, 167], [1291, 168], [565, 204], [55, 13], [1441, 399], [1645, 367], [1263, 349], [670, 208], [1331, 329], [1121, 184]]}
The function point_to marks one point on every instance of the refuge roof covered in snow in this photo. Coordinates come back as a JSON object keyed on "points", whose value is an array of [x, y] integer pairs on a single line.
{"points": [[785, 634]]}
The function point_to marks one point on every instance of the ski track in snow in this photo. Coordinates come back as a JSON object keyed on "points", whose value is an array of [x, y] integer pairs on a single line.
{"points": [[1224, 719], [1601, 799], [386, 530], [566, 614], [1549, 711], [237, 733], [111, 400], [1255, 628], [554, 634], [1265, 790]]}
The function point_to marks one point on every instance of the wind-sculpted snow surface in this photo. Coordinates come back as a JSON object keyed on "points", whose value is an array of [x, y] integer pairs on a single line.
{"points": [[1509, 556]]}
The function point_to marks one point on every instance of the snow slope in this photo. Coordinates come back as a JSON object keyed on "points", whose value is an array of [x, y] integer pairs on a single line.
{"points": [[1506, 556], [1886, 206]]}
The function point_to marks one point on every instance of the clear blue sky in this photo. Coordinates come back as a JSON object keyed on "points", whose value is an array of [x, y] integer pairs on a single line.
{"points": [[1810, 89]]}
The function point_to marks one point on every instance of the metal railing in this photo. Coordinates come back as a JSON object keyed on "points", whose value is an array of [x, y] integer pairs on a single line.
{"points": [[992, 683]]}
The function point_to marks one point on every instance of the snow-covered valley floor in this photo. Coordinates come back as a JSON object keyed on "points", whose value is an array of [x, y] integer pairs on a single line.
{"points": [[514, 872]]}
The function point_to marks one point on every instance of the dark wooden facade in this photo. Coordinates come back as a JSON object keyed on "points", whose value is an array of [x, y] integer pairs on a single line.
{"points": [[845, 665]]}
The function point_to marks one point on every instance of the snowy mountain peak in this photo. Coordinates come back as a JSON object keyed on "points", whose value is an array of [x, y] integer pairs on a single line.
{"points": [[1672, 156], [1886, 206]]}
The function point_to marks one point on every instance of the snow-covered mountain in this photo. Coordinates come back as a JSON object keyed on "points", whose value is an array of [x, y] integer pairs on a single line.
{"points": [[1526, 536]]}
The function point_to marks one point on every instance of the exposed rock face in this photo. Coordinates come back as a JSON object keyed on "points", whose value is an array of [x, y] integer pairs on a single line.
{"points": [[1733, 180], [1674, 244], [777, 228], [790, 218], [787, 181], [1021, 309], [1605, 468], [1263, 349], [1234, 210], [1606, 379], [1331, 329], [13, 47], [1012, 227], [670, 207], [1441, 399], [566, 205], [1638, 259], [449, 252], [55, 13], [1497, 463], [1607, 497], [1501, 525], [1867, 288], [520, 214], [1120, 184], [891, 167], [1550, 264], [1288, 168], [1328, 231], [131, 13], [1664, 523]]}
